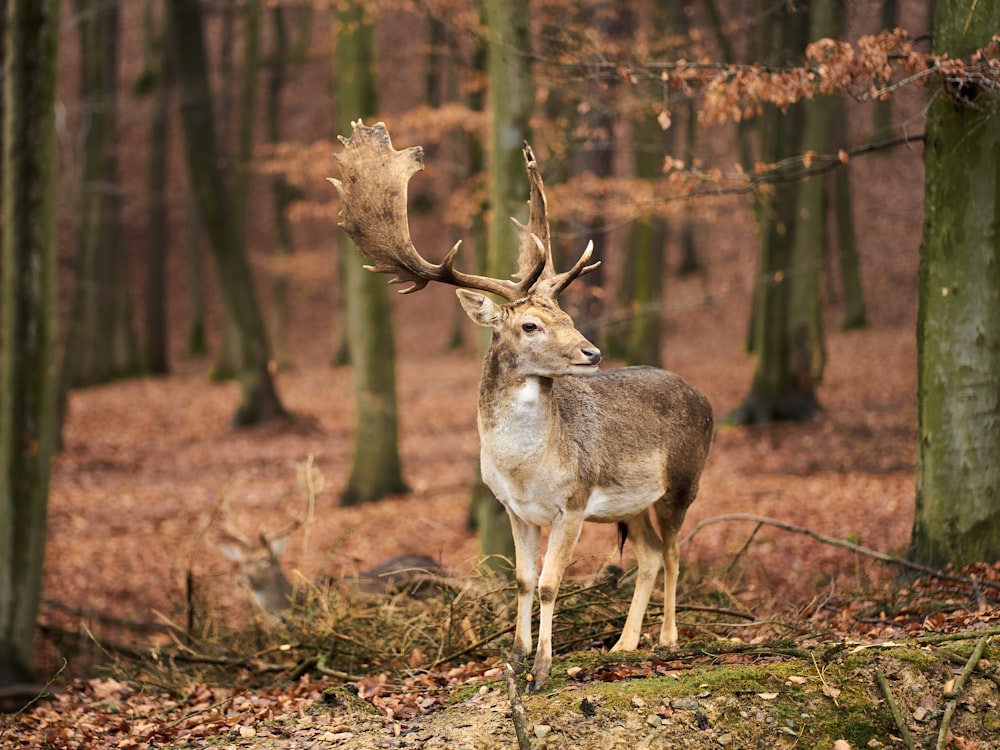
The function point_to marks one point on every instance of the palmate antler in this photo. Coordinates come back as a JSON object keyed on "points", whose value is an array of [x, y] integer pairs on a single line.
{"points": [[373, 184]]}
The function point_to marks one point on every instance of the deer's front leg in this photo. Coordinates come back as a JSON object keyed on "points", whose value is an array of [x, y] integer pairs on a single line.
{"points": [[562, 541], [526, 543]]}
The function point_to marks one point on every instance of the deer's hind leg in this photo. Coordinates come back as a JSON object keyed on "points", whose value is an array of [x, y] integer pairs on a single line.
{"points": [[648, 552], [670, 511]]}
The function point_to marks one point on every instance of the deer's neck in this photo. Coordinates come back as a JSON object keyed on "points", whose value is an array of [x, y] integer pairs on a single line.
{"points": [[511, 401]]}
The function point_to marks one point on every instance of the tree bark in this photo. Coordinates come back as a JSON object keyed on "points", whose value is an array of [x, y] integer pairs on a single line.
{"points": [[807, 350], [511, 99], [855, 314], [958, 341], [100, 341], [282, 194], [774, 393], [376, 470], [259, 398], [28, 378], [157, 340]]}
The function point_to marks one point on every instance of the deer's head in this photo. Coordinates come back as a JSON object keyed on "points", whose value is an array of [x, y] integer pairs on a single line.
{"points": [[531, 324], [260, 565], [535, 333]]}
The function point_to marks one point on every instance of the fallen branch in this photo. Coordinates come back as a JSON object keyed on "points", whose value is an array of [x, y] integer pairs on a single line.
{"points": [[949, 711], [897, 715], [836, 542], [517, 712], [963, 636]]}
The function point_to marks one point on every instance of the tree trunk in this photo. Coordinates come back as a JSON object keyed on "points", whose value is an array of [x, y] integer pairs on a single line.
{"points": [[376, 470], [157, 342], [882, 108], [511, 99], [774, 393], [958, 341], [637, 333], [227, 364], [100, 343], [259, 399], [855, 314], [197, 338], [807, 351], [28, 378], [282, 193]]}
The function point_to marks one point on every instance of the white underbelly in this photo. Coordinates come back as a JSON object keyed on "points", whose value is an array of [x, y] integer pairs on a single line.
{"points": [[539, 501], [605, 506]]}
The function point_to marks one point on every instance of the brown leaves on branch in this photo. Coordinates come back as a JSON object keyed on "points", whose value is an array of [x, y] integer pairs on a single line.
{"points": [[872, 68]]}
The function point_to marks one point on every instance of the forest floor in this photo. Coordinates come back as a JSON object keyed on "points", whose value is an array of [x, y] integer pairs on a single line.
{"points": [[151, 642]]}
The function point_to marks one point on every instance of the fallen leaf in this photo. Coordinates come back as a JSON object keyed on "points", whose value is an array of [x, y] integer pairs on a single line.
{"points": [[767, 696]]}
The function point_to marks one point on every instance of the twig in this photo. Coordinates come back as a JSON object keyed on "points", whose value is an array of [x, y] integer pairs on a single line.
{"points": [[965, 636], [717, 611], [897, 715], [32, 691], [892, 559], [828, 690], [949, 711], [346, 676], [517, 712]]}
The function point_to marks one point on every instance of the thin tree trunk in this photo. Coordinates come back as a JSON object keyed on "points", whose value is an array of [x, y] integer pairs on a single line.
{"points": [[259, 398], [282, 193], [100, 343], [227, 364], [882, 108], [773, 392], [511, 98], [28, 376], [855, 314], [636, 335], [807, 351], [157, 342], [376, 470], [197, 338]]}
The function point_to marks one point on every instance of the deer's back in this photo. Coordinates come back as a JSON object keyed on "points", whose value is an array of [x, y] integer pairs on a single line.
{"points": [[617, 413]]}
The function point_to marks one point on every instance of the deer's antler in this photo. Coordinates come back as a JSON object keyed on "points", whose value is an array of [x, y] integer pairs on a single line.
{"points": [[374, 178], [534, 237], [228, 528], [373, 184]]}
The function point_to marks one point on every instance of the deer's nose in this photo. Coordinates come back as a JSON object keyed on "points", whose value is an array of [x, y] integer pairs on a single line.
{"points": [[592, 355]]}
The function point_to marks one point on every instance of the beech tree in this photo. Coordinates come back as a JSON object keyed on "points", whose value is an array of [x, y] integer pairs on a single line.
{"points": [[958, 340], [511, 99], [376, 469], [100, 340], [28, 352], [259, 397]]}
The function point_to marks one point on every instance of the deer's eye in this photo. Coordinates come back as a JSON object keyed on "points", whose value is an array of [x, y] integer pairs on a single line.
{"points": [[529, 327]]}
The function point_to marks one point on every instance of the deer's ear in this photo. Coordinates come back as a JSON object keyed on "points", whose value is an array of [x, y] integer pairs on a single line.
{"points": [[479, 307], [232, 552], [277, 546]]}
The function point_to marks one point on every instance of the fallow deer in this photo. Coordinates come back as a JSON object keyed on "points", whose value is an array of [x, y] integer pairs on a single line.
{"points": [[260, 567], [560, 442], [259, 560]]}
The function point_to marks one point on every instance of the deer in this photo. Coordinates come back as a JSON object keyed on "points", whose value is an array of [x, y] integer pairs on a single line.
{"points": [[412, 575], [561, 441], [259, 563]]}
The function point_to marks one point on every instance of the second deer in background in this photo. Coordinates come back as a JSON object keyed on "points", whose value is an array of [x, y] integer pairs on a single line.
{"points": [[260, 572], [560, 442]]}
